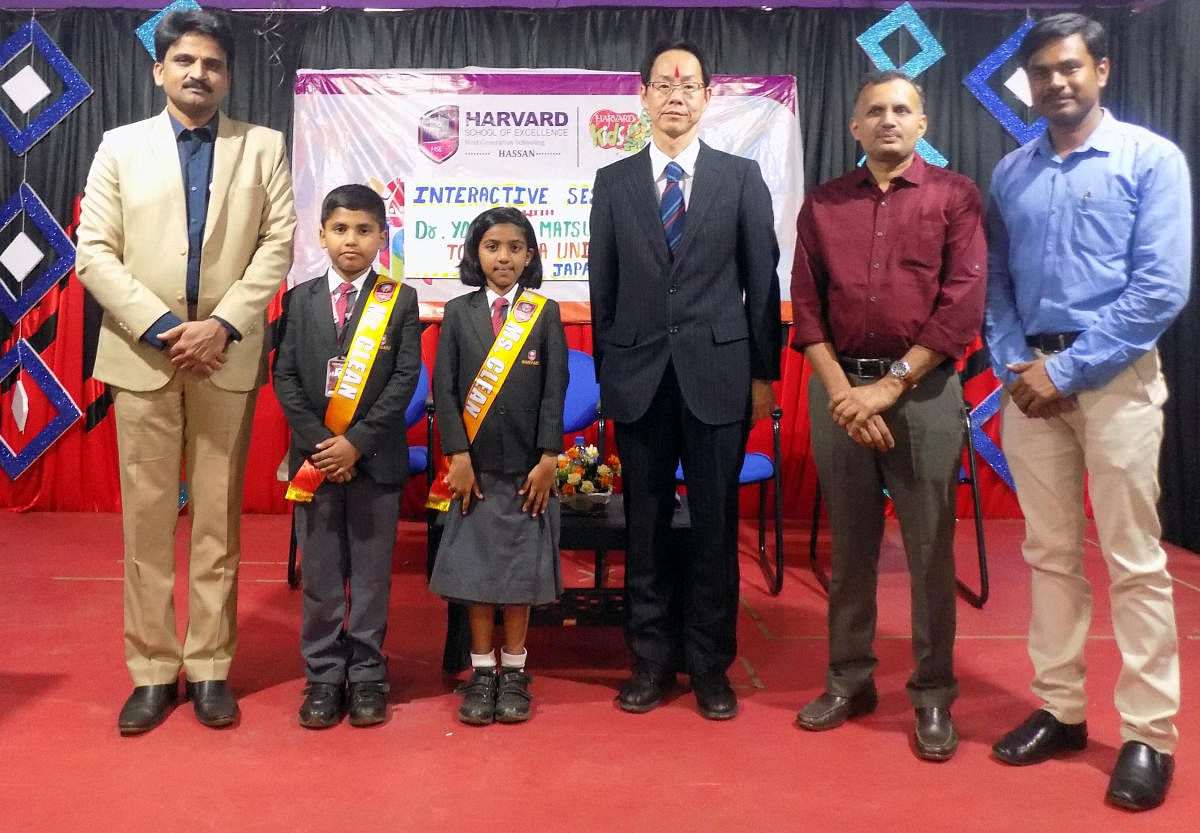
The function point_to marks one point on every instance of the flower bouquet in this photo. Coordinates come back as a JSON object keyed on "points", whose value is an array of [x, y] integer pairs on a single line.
{"points": [[584, 482]]}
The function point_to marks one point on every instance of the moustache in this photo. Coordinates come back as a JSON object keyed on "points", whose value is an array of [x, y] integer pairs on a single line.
{"points": [[197, 85]]}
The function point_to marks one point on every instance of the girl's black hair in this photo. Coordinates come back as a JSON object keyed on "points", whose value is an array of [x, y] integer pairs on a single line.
{"points": [[469, 270]]}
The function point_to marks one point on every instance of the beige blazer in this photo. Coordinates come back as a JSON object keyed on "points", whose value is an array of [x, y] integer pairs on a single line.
{"points": [[133, 246]]}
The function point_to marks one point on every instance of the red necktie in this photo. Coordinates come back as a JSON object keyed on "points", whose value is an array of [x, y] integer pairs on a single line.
{"points": [[341, 304], [499, 310]]}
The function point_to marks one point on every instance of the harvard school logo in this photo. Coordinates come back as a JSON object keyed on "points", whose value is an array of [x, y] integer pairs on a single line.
{"points": [[384, 290], [437, 133], [523, 311]]}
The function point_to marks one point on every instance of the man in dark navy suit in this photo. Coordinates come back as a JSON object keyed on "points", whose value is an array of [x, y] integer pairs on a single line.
{"points": [[686, 331]]}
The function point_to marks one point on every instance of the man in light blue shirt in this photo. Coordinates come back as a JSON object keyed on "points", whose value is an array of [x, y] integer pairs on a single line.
{"points": [[1089, 232]]}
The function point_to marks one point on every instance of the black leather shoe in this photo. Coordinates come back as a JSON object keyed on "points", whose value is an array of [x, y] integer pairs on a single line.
{"points": [[832, 710], [1040, 738], [513, 698], [479, 698], [935, 735], [714, 696], [146, 707], [213, 703], [1141, 777], [645, 689], [368, 703], [323, 706]]}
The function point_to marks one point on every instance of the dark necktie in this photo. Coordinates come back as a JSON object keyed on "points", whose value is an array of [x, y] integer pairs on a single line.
{"points": [[342, 304], [671, 208], [499, 313]]}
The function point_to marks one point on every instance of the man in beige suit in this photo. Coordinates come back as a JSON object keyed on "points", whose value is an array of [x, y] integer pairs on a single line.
{"points": [[185, 234]]}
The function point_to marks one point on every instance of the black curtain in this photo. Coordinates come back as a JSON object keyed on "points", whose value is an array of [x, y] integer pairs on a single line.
{"points": [[1156, 82]]}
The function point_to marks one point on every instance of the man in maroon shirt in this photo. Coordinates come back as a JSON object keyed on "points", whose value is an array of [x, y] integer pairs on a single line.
{"points": [[887, 291]]}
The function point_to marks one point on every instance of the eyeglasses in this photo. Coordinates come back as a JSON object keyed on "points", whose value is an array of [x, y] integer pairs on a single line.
{"points": [[688, 88]]}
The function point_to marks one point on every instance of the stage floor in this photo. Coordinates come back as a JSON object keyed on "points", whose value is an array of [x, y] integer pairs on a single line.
{"points": [[580, 764]]}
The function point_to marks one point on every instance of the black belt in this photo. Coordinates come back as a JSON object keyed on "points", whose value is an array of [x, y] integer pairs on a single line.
{"points": [[1051, 342], [867, 368]]}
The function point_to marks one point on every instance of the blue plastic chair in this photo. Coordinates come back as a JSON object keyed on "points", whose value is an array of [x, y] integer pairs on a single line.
{"points": [[582, 405]]}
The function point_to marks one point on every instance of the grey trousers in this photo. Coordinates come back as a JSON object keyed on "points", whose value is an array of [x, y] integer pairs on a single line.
{"points": [[346, 536], [921, 475]]}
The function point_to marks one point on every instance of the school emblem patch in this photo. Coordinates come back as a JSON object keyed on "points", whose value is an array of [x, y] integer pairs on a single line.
{"points": [[523, 311], [383, 291]]}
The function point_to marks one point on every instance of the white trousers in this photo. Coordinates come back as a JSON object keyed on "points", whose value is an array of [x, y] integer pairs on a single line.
{"points": [[1114, 435]]}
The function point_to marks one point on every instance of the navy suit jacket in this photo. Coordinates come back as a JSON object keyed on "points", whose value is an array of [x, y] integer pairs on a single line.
{"points": [[309, 340], [712, 310], [526, 417]]}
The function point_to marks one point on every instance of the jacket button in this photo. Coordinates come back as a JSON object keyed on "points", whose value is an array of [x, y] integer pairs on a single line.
{"points": [[673, 290], [673, 330]]}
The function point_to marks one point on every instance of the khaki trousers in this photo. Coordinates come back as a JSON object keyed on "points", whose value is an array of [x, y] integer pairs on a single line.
{"points": [[208, 429], [1114, 435]]}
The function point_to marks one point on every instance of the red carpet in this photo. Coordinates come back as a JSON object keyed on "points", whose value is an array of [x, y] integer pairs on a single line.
{"points": [[580, 764]]}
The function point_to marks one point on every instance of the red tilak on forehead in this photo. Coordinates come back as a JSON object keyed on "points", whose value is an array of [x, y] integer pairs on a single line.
{"points": [[677, 70]]}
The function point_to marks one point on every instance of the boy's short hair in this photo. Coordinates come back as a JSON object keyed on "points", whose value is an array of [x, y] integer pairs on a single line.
{"points": [[355, 197], [1059, 26], [667, 46], [470, 272], [187, 21]]}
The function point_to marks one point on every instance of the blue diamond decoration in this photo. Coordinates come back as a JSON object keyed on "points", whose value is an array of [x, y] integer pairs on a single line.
{"points": [[984, 446], [904, 17], [23, 355], [25, 200], [932, 51], [145, 32], [74, 92], [977, 82]]}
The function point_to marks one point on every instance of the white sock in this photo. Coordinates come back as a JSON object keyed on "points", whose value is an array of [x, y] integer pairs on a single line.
{"points": [[487, 660], [516, 661]]}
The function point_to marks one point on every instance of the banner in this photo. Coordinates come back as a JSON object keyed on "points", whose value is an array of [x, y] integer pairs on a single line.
{"points": [[442, 146]]}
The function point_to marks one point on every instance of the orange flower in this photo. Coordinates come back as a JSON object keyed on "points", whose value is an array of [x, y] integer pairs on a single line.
{"points": [[563, 463], [568, 490], [573, 452]]}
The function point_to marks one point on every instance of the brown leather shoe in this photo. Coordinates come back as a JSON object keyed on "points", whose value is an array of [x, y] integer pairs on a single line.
{"points": [[934, 733], [1141, 777], [832, 710], [1039, 738], [147, 707]]}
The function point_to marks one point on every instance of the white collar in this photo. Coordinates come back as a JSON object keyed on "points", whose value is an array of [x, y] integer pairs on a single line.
{"points": [[686, 159], [334, 280]]}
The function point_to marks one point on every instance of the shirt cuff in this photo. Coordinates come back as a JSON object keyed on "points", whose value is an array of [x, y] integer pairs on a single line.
{"points": [[234, 335], [1061, 373], [164, 323]]}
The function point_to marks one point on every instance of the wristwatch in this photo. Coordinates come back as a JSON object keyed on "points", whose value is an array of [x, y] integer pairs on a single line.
{"points": [[902, 370]]}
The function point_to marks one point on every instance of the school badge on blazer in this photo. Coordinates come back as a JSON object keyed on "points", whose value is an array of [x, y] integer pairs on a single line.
{"points": [[523, 311], [531, 359]]}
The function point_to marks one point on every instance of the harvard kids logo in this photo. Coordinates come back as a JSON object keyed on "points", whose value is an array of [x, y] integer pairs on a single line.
{"points": [[437, 133]]}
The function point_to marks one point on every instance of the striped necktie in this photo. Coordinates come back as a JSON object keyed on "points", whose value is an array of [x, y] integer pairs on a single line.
{"points": [[671, 208]]}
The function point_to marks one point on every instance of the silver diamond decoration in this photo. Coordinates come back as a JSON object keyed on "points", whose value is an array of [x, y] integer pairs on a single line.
{"points": [[20, 406], [20, 256], [1018, 85], [26, 89]]}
